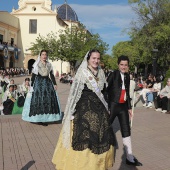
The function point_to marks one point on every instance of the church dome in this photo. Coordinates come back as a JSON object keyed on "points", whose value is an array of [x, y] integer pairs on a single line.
{"points": [[65, 12]]}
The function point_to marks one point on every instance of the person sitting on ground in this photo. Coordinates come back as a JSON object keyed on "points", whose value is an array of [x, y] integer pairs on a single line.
{"points": [[152, 95], [143, 93], [139, 83], [150, 81], [19, 103], [24, 88], [8, 101], [11, 82], [162, 99]]}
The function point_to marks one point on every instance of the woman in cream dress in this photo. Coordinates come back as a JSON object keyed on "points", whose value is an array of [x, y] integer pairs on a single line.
{"points": [[86, 138]]}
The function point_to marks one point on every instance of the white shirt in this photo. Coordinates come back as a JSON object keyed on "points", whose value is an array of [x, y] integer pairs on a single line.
{"points": [[123, 83]]}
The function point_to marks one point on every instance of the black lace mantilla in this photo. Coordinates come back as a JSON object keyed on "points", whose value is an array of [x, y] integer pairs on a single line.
{"points": [[91, 124], [44, 99]]}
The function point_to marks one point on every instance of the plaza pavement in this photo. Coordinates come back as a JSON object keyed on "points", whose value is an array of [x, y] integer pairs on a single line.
{"points": [[26, 146]]}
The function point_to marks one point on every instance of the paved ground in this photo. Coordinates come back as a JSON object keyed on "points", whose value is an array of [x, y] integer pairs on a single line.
{"points": [[26, 146]]}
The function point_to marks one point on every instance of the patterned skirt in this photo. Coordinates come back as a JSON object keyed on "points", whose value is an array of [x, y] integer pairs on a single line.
{"points": [[92, 138], [42, 105]]}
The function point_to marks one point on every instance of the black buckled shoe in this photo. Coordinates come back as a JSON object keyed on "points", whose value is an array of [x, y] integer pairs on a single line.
{"points": [[135, 163]]}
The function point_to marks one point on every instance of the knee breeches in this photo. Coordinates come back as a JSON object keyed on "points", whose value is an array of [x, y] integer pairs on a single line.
{"points": [[121, 111]]}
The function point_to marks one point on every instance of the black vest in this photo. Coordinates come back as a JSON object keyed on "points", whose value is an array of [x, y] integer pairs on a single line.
{"points": [[115, 87]]}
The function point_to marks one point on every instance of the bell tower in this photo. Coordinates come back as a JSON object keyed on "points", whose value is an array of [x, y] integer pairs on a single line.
{"points": [[21, 3], [47, 3]]}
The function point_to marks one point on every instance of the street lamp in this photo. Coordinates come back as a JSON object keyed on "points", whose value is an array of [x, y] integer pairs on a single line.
{"points": [[154, 62]]}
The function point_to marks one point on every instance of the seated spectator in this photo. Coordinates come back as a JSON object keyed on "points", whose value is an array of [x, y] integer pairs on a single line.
{"points": [[4, 84], [139, 83], [8, 101], [24, 88], [19, 103], [162, 99], [150, 81], [149, 96], [156, 87], [10, 83], [143, 93], [154, 92]]}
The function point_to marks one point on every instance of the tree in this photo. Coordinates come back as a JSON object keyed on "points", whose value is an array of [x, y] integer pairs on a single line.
{"points": [[152, 29], [75, 42], [45, 42], [70, 44], [109, 62], [167, 76], [127, 48]]}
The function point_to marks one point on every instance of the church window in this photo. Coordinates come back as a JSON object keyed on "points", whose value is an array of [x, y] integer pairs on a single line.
{"points": [[33, 26]]}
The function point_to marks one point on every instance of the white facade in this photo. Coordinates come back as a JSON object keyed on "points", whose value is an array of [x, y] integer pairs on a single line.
{"points": [[47, 22]]}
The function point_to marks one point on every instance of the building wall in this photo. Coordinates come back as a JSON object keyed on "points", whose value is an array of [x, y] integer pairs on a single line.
{"points": [[16, 25], [9, 28], [47, 22]]}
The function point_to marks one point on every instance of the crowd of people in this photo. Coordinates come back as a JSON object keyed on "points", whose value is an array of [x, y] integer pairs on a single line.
{"points": [[66, 78], [96, 98], [35, 99], [12, 95], [152, 92], [12, 72]]}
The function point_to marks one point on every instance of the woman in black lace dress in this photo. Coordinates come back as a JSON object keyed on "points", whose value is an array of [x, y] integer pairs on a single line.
{"points": [[41, 104], [86, 139]]}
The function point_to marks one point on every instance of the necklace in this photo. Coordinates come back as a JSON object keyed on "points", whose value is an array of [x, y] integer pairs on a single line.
{"points": [[94, 73]]}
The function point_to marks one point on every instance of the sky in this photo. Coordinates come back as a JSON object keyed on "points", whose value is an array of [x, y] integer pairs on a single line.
{"points": [[109, 18]]}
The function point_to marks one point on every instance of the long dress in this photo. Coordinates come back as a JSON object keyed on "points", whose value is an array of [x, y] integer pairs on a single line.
{"points": [[92, 137], [42, 105]]}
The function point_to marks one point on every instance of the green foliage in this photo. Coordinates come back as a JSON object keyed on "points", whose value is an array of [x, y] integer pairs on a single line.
{"points": [[166, 77], [151, 30], [129, 49], [109, 61], [48, 43], [69, 45]]}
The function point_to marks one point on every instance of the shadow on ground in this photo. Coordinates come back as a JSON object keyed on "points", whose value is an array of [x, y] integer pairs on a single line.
{"points": [[28, 165]]}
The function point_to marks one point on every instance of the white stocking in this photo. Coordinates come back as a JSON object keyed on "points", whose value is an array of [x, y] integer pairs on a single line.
{"points": [[128, 148]]}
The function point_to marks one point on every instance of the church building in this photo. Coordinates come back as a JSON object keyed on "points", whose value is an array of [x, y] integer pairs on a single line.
{"points": [[20, 28]]}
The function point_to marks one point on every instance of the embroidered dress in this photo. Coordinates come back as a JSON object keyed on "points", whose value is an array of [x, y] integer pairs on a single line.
{"points": [[91, 135], [42, 104]]}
